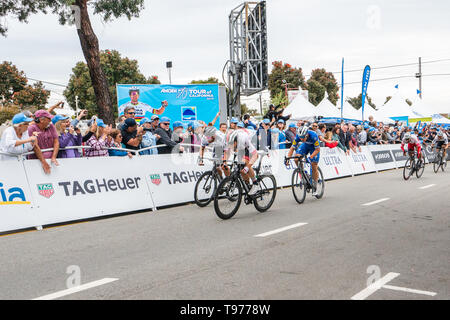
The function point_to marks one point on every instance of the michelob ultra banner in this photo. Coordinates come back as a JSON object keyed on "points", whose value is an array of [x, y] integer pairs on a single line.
{"points": [[185, 103]]}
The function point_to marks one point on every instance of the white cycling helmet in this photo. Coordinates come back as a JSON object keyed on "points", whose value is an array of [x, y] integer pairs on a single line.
{"points": [[302, 131], [407, 136], [440, 134]]}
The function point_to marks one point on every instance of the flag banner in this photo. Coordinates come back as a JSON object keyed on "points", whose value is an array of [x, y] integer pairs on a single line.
{"points": [[365, 83]]}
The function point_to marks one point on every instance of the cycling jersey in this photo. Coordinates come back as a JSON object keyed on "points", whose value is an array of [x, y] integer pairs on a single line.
{"points": [[309, 146], [443, 140], [412, 144]]}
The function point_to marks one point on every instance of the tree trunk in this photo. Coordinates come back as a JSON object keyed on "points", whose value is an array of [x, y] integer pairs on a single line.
{"points": [[89, 45]]}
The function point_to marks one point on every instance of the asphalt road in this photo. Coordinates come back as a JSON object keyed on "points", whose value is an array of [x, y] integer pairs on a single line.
{"points": [[187, 252]]}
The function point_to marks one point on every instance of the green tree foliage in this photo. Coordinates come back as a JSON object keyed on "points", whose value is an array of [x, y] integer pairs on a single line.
{"points": [[76, 12], [247, 110], [208, 81], [14, 88], [293, 77], [320, 82], [280, 99], [118, 70], [356, 102]]}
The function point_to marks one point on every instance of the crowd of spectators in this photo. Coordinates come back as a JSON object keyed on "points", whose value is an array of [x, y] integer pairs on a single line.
{"points": [[52, 137]]}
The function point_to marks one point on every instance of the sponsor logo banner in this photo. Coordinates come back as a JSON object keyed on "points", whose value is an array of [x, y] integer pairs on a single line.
{"points": [[382, 156], [155, 178], [46, 190]]}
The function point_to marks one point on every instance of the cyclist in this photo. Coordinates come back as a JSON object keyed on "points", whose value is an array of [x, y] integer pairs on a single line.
{"points": [[310, 145], [239, 141], [441, 141], [413, 143], [215, 139]]}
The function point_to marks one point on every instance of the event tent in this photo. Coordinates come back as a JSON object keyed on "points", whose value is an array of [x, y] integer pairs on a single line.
{"points": [[423, 109], [326, 109], [396, 107], [300, 109]]}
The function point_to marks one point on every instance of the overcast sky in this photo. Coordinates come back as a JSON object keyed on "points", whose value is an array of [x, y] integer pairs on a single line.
{"points": [[307, 34]]}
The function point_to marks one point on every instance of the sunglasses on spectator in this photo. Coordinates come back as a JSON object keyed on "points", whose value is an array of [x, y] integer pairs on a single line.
{"points": [[131, 112], [165, 123]]}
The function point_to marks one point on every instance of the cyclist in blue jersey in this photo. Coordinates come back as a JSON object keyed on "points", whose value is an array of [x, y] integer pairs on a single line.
{"points": [[307, 142]]}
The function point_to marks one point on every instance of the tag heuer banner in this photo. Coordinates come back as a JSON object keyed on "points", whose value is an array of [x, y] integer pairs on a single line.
{"points": [[185, 103]]}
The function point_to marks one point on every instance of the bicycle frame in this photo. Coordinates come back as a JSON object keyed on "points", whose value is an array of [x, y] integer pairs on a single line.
{"points": [[305, 175]]}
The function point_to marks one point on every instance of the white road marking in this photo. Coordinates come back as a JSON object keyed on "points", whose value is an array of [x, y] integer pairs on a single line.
{"points": [[375, 202], [86, 286], [375, 286], [265, 234], [428, 186], [428, 293]]}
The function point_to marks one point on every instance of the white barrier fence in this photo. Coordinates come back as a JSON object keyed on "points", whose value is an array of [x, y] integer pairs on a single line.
{"points": [[83, 188]]}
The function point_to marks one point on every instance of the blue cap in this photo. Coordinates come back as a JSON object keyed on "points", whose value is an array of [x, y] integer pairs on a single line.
{"points": [[292, 125], [144, 120], [59, 117], [281, 121], [193, 124], [266, 121], [234, 120], [100, 123], [176, 124], [240, 124], [20, 118], [164, 119]]}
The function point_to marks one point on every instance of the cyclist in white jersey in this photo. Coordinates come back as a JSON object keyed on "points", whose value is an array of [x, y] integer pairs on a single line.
{"points": [[441, 141]]}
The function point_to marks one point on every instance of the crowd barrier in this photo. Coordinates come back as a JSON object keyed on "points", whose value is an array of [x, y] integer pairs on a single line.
{"points": [[83, 188]]}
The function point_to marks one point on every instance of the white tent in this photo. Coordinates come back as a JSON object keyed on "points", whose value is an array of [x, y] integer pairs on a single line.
{"points": [[396, 107], [349, 111], [300, 109], [437, 118], [423, 109], [326, 109]]}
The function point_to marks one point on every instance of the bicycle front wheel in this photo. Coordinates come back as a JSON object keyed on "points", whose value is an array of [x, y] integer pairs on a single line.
{"points": [[437, 163], [298, 186], [205, 189], [228, 198], [420, 167], [267, 190], [408, 169]]}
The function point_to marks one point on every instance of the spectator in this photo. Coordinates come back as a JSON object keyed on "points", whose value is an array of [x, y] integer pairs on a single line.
{"points": [[67, 137], [131, 134], [165, 134], [248, 122], [100, 141], [46, 135], [291, 132], [326, 140], [353, 143], [361, 135], [335, 137], [374, 136], [233, 123], [281, 134], [92, 130], [81, 115], [154, 123], [15, 139], [116, 142], [223, 127], [129, 113], [192, 137], [344, 137], [121, 120], [273, 114], [264, 135], [178, 136], [148, 139]]}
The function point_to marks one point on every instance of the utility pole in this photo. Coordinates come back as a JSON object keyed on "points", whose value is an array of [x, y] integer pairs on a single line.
{"points": [[419, 75]]}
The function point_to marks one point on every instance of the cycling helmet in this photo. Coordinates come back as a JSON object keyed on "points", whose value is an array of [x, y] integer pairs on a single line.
{"points": [[302, 131], [407, 136], [210, 131], [440, 134]]}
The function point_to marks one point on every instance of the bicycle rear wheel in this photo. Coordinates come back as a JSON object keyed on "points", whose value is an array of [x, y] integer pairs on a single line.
{"points": [[420, 167], [437, 162], [228, 198], [320, 188], [408, 169], [205, 189], [267, 190], [298, 186]]}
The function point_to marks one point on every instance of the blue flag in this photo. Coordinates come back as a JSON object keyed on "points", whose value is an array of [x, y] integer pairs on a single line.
{"points": [[396, 86], [365, 83], [418, 91]]}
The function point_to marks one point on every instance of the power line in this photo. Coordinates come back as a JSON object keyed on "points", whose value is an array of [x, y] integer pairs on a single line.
{"points": [[400, 77], [55, 84]]}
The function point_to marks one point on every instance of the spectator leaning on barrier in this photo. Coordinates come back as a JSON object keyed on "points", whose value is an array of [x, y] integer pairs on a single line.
{"points": [[46, 135], [148, 139], [353, 143], [154, 123], [361, 135], [335, 137], [116, 137], [344, 137], [264, 134], [67, 137], [325, 140], [100, 141], [165, 134], [131, 134], [15, 140], [281, 134], [291, 132], [178, 136]]}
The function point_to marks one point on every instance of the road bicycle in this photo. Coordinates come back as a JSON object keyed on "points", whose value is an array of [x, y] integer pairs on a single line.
{"points": [[206, 185], [302, 180], [233, 188], [414, 165], [439, 161]]}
